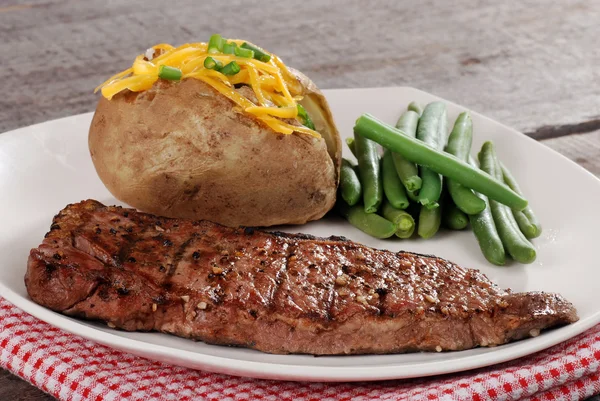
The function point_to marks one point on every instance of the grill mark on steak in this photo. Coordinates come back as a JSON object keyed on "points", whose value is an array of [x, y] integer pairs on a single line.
{"points": [[329, 303], [279, 293], [280, 278], [179, 255], [131, 239], [123, 255]]}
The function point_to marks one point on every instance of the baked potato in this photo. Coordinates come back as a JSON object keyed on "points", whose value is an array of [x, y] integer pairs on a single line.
{"points": [[184, 149]]}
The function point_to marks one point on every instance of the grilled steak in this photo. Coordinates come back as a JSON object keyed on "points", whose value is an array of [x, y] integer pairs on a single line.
{"points": [[274, 292]]}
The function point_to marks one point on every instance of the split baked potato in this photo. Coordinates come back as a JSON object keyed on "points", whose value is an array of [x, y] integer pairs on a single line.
{"points": [[183, 149]]}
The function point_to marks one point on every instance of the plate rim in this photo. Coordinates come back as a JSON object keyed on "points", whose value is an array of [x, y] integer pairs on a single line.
{"points": [[294, 372]]}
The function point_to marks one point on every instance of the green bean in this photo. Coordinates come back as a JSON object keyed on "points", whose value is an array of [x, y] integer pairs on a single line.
{"points": [[407, 171], [484, 228], [413, 196], [439, 161], [429, 221], [534, 228], [370, 223], [404, 222], [487, 236], [528, 229], [453, 217], [392, 187], [429, 194], [350, 187], [518, 247], [416, 107], [459, 145], [370, 177], [350, 143], [431, 131], [464, 198]]}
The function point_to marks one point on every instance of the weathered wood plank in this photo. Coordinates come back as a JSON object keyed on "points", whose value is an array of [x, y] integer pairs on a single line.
{"points": [[583, 149], [499, 58], [14, 389]]}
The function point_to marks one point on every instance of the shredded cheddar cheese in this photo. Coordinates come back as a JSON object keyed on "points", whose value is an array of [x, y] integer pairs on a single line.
{"points": [[135, 83], [276, 89], [255, 84], [282, 112]]}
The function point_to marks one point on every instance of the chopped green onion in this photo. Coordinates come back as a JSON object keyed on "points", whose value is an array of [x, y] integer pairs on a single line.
{"points": [[247, 53], [215, 44], [231, 68], [212, 64], [304, 118], [259, 54], [229, 48], [170, 73]]}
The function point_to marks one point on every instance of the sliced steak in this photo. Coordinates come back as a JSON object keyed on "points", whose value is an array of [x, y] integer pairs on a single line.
{"points": [[275, 292]]}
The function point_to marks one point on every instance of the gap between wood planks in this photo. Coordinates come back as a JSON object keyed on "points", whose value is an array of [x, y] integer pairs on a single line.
{"points": [[555, 131]]}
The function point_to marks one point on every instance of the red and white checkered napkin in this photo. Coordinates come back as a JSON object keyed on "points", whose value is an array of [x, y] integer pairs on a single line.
{"points": [[72, 368]]}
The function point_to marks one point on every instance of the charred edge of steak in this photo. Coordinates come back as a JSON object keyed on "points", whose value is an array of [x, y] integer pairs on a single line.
{"points": [[92, 204], [275, 292]]}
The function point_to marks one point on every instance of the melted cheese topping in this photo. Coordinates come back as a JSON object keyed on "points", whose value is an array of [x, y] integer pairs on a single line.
{"points": [[276, 89]]}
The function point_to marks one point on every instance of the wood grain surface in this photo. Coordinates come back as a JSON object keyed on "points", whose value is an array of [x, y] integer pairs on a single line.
{"points": [[531, 65]]}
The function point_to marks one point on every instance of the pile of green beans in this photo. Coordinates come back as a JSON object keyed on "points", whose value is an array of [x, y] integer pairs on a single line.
{"points": [[423, 179]]}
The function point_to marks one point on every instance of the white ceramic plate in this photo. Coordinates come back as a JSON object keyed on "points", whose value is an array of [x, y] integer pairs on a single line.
{"points": [[46, 166]]}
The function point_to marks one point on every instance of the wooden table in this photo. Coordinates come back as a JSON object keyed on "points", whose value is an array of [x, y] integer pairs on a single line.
{"points": [[531, 65]]}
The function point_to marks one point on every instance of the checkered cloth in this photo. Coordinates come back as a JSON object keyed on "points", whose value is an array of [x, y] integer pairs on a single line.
{"points": [[72, 368]]}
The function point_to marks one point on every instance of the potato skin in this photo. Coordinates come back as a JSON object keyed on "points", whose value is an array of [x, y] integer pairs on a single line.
{"points": [[184, 150], [317, 106]]}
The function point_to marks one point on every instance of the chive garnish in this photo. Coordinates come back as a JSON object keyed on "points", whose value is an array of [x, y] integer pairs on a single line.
{"points": [[259, 54], [231, 68], [241, 52], [229, 48], [304, 118], [212, 64], [170, 73], [215, 44]]}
